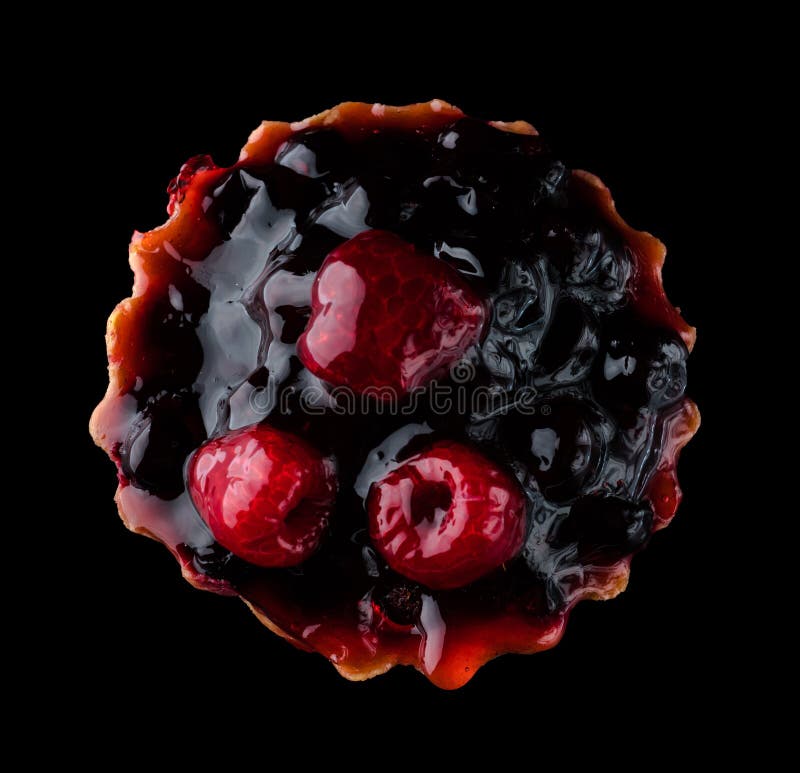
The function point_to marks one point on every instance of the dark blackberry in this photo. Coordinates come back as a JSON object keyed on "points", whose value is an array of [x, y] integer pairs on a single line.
{"points": [[216, 561], [637, 367], [568, 348], [593, 261], [562, 443], [167, 352], [400, 603], [522, 306], [158, 442], [605, 528], [499, 162]]}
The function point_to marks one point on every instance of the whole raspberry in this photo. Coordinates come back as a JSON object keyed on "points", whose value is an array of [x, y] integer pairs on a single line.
{"points": [[266, 495], [386, 316], [447, 516]]}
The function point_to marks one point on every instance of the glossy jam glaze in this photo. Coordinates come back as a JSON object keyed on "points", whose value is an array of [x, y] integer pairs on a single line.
{"points": [[222, 292]]}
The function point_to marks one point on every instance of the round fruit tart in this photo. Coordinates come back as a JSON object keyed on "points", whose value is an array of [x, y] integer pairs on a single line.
{"points": [[402, 382]]}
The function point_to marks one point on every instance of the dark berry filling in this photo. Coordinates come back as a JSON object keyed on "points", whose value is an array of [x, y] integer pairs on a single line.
{"points": [[401, 381]]}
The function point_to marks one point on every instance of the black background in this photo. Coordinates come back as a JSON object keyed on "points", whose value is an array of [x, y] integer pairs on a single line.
{"points": [[132, 630]]}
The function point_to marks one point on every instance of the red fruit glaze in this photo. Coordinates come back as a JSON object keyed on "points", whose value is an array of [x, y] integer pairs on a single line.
{"points": [[385, 315], [266, 495], [447, 516]]}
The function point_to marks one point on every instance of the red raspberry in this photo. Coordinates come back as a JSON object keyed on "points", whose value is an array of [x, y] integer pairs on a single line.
{"points": [[266, 495], [384, 315], [447, 516]]}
